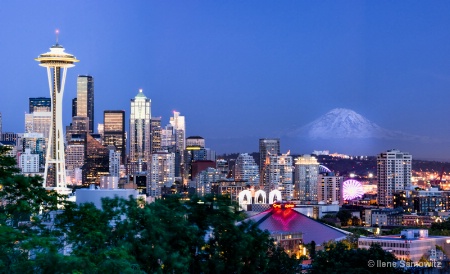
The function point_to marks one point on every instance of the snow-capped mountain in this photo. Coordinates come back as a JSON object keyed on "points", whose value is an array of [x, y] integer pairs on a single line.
{"points": [[346, 123]]}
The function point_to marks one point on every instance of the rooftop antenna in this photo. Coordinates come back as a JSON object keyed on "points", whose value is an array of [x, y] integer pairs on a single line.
{"points": [[57, 34]]}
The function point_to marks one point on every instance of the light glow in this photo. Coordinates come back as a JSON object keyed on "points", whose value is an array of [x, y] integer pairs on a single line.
{"points": [[352, 189]]}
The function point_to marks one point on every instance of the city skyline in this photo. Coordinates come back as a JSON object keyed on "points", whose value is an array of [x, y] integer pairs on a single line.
{"points": [[278, 66]]}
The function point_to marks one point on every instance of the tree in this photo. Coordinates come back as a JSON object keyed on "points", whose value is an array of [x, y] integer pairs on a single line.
{"points": [[24, 206], [339, 258], [344, 216]]}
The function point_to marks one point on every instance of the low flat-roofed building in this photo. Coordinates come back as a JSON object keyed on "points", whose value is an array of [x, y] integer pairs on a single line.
{"points": [[411, 244]]}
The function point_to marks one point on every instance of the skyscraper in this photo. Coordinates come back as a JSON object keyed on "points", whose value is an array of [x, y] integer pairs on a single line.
{"points": [[85, 99], [266, 147], [74, 107], [179, 127], [41, 104], [114, 131], [394, 174], [306, 178], [140, 128], [156, 132], [56, 61]]}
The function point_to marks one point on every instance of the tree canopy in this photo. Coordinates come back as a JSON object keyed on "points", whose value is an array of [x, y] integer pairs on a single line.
{"points": [[41, 232]]}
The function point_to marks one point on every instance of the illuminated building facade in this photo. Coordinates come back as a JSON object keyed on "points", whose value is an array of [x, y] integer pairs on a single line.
{"points": [[114, 131], [266, 147], [394, 174], [162, 172], [75, 158], [57, 62], [140, 138], [246, 169], [39, 104], [278, 172], [36, 143], [29, 162], [156, 132], [329, 188], [85, 99], [96, 160], [306, 178], [179, 127], [206, 179]]}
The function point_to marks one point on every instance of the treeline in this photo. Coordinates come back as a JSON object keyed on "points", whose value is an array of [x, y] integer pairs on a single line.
{"points": [[38, 227]]}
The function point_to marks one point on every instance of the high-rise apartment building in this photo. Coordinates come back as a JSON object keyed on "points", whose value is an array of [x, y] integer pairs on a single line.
{"points": [[36, 143], [306, 178], [206, 179], [266, 147], [140, 139], [40, 104], [29, 162], [278, 172], [162, 172], [114, 161], [329, 188], [393, 173], [85, 99], [246, 169], [114, 131]]}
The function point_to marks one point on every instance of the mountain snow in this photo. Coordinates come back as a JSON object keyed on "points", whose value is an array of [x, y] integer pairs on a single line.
{"points": [[346, 123]]}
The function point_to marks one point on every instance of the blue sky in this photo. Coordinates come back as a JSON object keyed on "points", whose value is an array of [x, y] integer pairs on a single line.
{"points": [[239, 69]]}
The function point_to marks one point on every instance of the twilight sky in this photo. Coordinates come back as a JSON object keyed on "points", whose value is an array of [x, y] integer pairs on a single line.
{"points": [[239, 69]]}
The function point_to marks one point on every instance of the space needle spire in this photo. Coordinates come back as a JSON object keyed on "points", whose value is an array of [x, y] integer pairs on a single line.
{"points": [[57, 62]]}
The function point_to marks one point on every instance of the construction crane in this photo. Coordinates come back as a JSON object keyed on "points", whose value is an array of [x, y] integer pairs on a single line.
{"points": [[437, 182]]}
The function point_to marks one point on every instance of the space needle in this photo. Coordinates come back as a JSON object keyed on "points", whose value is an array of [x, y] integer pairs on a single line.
{"points": [[57, 62]]}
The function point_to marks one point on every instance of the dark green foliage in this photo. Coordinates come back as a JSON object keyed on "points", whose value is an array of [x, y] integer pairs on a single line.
{"points": [[344, 216], [127, 236], [339, 258]]}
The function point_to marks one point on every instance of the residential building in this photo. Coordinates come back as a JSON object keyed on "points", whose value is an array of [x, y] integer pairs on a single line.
{"points": [[246, 169], [278, 172], [329, 188], [206, 179], [394, 174], [29, 162], [266, 147], [306, 179], [162, 172]]}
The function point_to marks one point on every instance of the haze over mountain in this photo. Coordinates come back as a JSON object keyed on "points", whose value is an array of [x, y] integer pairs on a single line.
{"points": [[344, 131], [346, 123]]}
